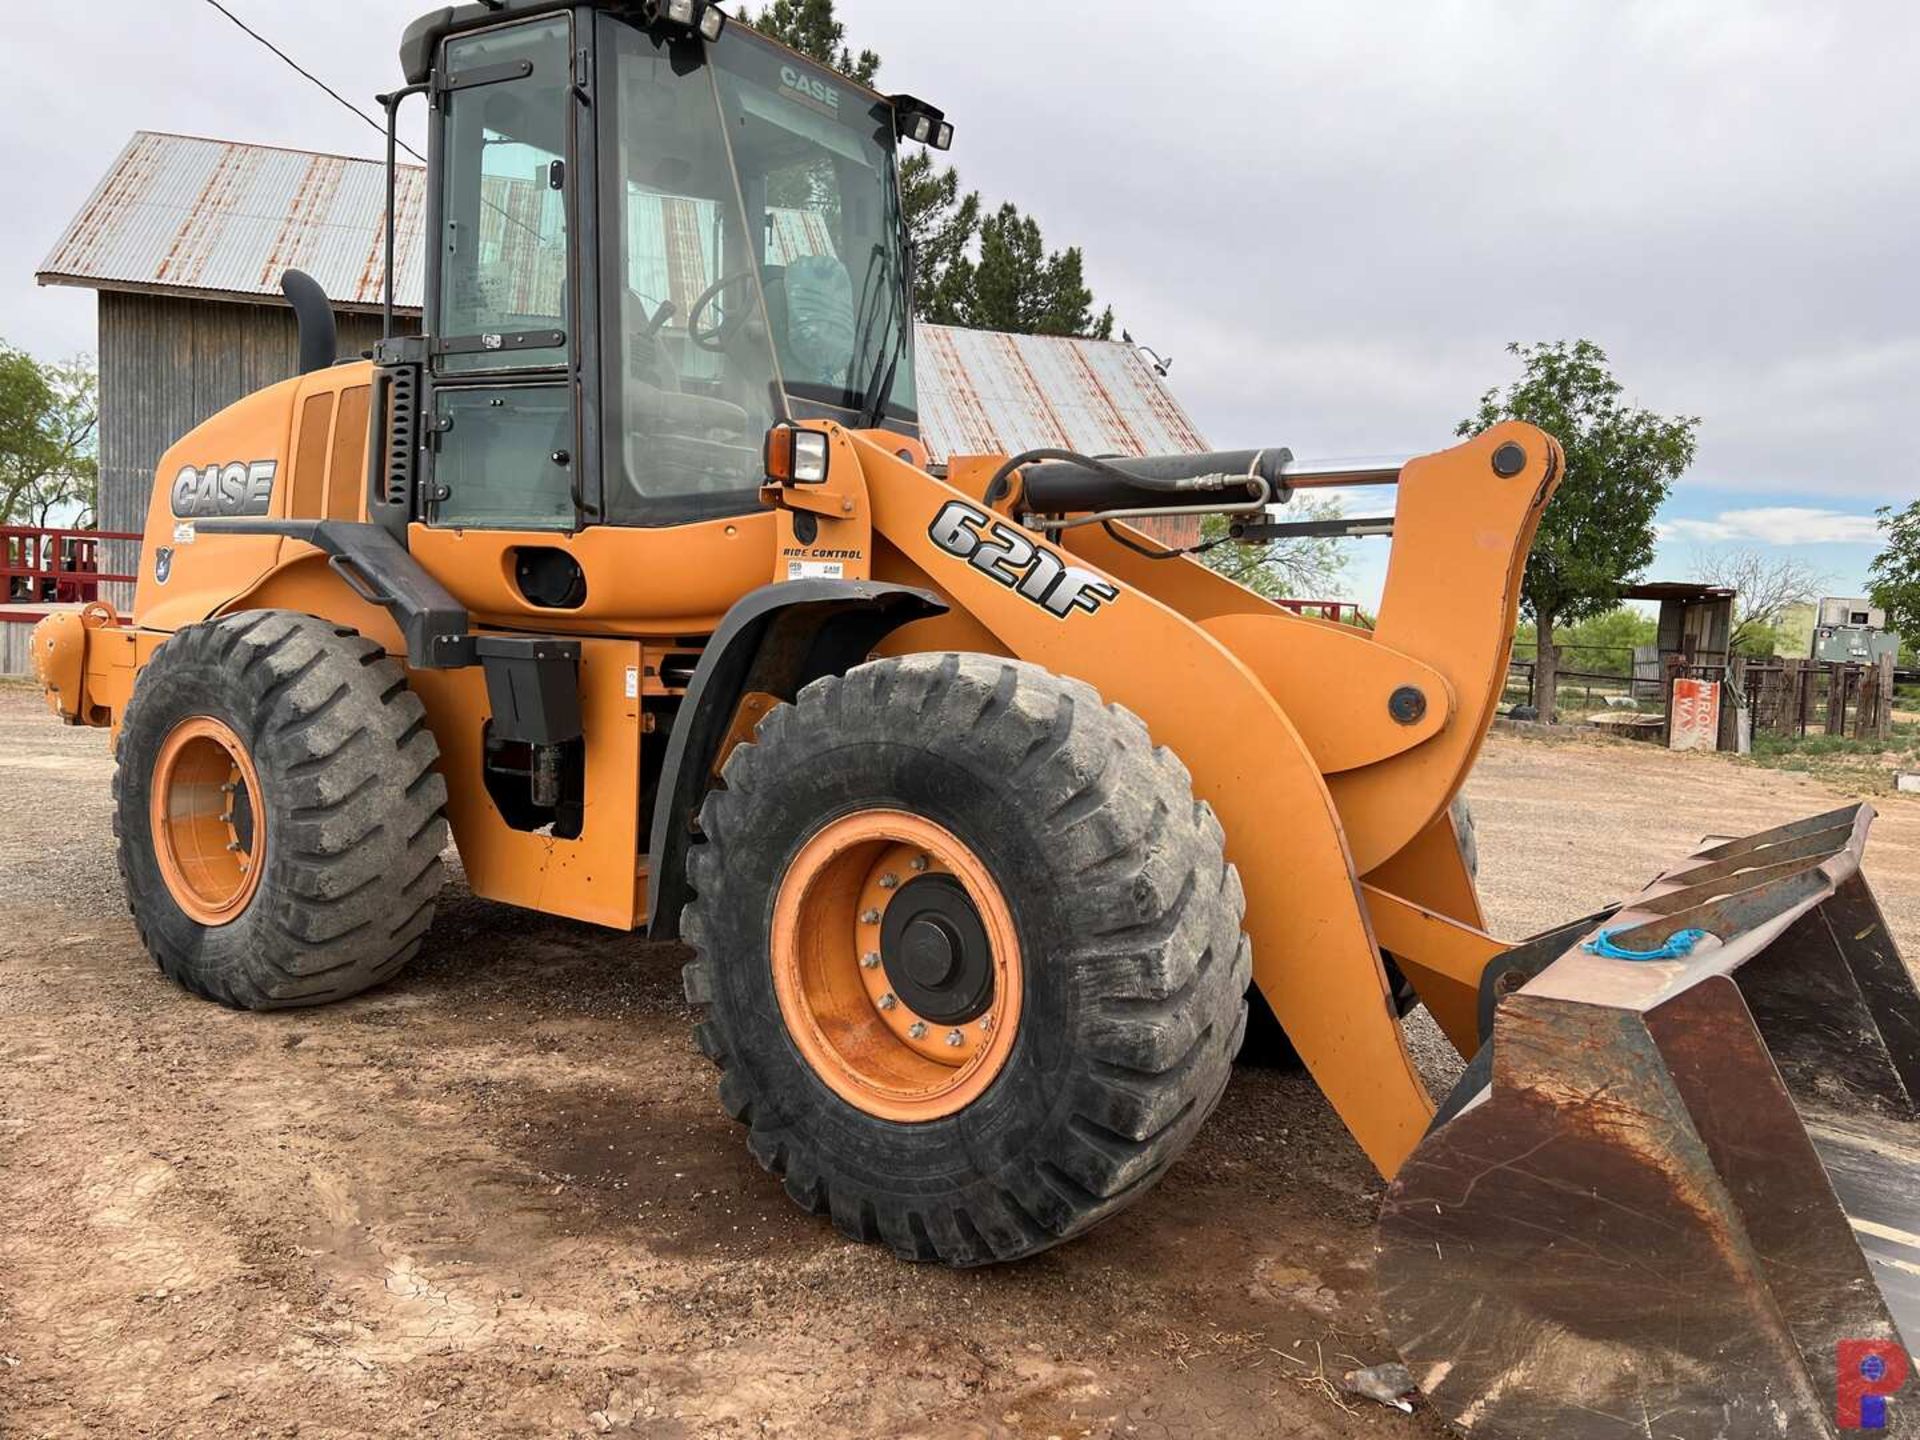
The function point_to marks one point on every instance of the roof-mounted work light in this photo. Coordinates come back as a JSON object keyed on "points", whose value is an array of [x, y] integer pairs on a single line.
{"points": [[702, 17], [915, 119]]}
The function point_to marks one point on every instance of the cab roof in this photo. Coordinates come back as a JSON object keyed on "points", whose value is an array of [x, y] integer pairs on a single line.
{"points": [[422, 37]]}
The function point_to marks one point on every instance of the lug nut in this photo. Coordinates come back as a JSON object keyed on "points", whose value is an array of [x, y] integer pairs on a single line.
{"points": [[986, 1022], [870, 960], [887, 1002], [918, 1030], [956, 1039], [233, 844], [919, 862], [889, 881], [869, 917]]}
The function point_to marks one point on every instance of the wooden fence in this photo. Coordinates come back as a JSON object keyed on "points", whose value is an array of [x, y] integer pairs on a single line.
{"points": [[1791, 698]]}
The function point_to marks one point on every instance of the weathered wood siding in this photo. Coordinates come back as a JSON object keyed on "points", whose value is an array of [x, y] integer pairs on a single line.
{"points": [[16, 655], [166, 364]]}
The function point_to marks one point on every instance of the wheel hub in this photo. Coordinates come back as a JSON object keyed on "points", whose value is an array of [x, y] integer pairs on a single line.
{"points": [[206, 821], [896, 965], [935, 950]]}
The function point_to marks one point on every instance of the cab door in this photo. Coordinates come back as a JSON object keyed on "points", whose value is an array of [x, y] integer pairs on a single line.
{"points": [[503, 287]]}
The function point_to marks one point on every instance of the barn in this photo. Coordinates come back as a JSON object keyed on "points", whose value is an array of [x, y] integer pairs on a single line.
{"points": [[184, 241]]}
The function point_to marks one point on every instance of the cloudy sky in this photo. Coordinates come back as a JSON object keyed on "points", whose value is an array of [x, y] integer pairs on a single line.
{"points": [[1332, 215]]}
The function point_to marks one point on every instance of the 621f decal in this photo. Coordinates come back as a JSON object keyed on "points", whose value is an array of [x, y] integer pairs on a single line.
{"points": [[1004, 553]]}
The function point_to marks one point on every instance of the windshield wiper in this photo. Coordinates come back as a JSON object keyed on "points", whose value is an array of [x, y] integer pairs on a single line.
{"points": [[874, 403], [873, 400]]}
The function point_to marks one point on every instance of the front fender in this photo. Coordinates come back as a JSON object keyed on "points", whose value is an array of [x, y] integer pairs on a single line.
{"points": [[774, 641]]}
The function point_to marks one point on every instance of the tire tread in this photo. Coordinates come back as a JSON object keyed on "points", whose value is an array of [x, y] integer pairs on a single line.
{"points": [[352, 791], [1159, 912]]}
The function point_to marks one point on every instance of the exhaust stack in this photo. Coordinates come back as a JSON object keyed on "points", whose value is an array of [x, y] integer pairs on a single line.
{"points": [[313, 313]]}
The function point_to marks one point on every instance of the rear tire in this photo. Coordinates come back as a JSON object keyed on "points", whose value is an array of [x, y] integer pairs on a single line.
{"points": [[1124, 926], [319, 877], [1267, 1044]]}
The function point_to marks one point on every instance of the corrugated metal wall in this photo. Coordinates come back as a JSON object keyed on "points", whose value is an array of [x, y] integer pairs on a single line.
{"points": [[166, 364]]}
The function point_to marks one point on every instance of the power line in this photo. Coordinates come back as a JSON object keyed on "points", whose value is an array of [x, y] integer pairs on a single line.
{"points": [[307, 74]]}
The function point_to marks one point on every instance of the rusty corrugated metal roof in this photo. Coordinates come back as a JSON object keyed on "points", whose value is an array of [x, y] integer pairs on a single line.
{"points": [[179, 214], [987, 393]]}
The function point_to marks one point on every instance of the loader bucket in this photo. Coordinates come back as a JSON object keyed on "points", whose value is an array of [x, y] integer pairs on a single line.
{"points": [[1680, 1196]]}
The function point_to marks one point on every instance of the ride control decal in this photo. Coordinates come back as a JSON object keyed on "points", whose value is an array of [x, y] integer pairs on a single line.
{"points": [[811, 563], [1002, 552], [238, 487]]}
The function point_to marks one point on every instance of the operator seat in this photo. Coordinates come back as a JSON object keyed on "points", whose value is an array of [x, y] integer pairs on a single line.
{"points": [[656, 403]]}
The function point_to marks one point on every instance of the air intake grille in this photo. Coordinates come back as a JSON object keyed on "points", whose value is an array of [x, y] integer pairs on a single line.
{"points": [[403, 430]]}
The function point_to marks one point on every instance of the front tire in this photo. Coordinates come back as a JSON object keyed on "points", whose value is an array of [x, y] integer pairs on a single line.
{"points": [[981, 849], [279, 816]]}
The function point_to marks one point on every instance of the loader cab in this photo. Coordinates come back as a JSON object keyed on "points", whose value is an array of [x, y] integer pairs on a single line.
{"points": [[647, 244]]}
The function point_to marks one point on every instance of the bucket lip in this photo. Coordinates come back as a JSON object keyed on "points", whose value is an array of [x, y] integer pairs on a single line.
{"points": [[1740, 895]]}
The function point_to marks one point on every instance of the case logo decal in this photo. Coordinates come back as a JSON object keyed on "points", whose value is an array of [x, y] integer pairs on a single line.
{"points": [[236, 488], [806, 85], [1002, 552]]}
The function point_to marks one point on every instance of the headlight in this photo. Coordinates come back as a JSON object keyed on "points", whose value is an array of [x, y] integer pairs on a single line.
{"points": [[795, 456]]}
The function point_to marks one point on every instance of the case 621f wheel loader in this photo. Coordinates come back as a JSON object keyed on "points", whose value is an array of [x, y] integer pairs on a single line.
{"points": [[980, 810]]}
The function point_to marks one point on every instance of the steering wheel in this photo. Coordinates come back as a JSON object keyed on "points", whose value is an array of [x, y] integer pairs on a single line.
{"points": [[716, 336]]}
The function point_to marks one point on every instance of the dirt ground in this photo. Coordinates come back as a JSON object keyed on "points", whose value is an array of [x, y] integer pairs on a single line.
{"points": [[499, 1196]]}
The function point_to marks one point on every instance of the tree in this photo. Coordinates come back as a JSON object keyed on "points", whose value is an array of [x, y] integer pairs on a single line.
{"points": [[1765, 588], [48, 418], [1894, 576], [994, 274], [809, 26], [1597, 534], [1604, 644], [1016, 285], [941, 226], [1280, 569]]}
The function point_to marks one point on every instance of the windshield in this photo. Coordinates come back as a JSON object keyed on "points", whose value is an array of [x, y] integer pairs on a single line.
{"points": [[753, 208], [815, 156]]}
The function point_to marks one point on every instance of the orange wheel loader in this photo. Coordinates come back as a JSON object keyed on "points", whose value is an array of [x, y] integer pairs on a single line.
{"points": [[982, 812]]}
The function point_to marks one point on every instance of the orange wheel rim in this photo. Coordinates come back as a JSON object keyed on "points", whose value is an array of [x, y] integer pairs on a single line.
{"points": [[209, 831], [896, 965]]}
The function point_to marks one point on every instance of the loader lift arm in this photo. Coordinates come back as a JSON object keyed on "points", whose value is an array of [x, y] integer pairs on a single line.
{"points": [[1358, 771]]}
